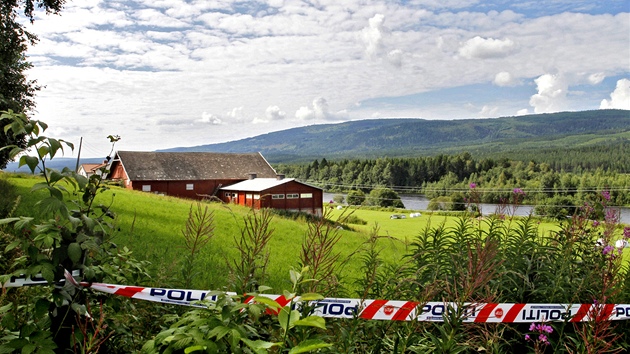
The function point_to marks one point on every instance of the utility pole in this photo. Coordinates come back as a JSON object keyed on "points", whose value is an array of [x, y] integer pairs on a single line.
{"points": [[76, 169]]}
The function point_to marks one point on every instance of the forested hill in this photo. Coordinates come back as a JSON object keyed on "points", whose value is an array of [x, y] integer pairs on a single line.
{"points": [[412, 137]]}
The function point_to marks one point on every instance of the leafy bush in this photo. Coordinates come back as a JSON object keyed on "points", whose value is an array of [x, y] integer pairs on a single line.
{"points": [[384, 197], [355, 197]]}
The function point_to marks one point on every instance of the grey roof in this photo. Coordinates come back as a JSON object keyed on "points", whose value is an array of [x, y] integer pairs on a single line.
{"points": [[189, 166], [256, 184]]}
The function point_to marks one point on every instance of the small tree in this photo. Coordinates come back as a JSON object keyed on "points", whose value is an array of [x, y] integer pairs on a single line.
{"points": [[384, 197], [355, 197]]}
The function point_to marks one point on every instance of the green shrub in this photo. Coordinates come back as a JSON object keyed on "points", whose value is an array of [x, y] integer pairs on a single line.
{"points": [[355, 197], [384, 197]]}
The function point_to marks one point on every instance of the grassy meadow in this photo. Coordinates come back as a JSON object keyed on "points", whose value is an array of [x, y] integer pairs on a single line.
{"points": [[151, 226]]}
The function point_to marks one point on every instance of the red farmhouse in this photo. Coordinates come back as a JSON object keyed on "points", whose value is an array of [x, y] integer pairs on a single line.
{"points": [[277, 193], [199, 175]]}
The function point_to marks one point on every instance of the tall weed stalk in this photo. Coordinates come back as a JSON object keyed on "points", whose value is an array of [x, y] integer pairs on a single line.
{"points": [[249, 269], [198, 231]]}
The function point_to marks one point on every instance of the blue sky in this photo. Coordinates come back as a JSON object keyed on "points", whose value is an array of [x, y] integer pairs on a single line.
{"points": [[168, 73]]}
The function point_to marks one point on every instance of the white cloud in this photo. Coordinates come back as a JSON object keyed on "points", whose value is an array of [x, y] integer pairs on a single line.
{"points": [[620, 97], [504, 78], [488, 111], [148, 68], [208, 118], [486, 48], [597, 78], [319, 111], [236, 114], [522, 112], [552, 93], [373, 35], [394, 57], [274, 113]]}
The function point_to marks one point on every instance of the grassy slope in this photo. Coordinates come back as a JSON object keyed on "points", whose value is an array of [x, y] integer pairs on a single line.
{"points": [[150, 225]]}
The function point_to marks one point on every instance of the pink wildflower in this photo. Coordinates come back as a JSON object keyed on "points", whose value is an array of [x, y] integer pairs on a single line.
{"points": [[606, 194], [472, 185], [607, 249]]}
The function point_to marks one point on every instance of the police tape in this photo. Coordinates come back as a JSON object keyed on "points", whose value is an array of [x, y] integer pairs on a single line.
{"points": [[392, 310], [24, 280]]}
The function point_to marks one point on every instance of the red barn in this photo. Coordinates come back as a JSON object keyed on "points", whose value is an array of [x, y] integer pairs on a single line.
{"points": [[199, 175], [277, 193]]}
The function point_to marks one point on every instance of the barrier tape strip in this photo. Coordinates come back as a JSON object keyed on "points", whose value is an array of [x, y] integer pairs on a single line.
{"points": [[392, 310]]}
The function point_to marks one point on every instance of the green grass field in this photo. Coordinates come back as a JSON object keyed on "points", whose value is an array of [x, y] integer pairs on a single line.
{"points": [[151, 226]]}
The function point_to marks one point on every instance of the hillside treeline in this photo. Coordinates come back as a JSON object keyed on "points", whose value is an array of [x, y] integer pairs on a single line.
{"points": [[579, 175]]}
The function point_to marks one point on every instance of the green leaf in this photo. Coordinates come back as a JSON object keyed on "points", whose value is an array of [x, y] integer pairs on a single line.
{"points": [[41, 307], [29, 348], [30, 161], [8, 220], [267, 301], [219, 332], [259, 346], [309, 345], [12, 245], [43, 151], [75, 252], [54, 147], [288, 317], [295, 276], [311, 297], [312, 321], [194, 348], [264, 288], [47, 272]]}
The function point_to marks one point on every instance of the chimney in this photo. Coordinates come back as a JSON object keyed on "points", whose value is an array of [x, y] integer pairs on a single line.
{"points": [[252, 176], [279, 177]]}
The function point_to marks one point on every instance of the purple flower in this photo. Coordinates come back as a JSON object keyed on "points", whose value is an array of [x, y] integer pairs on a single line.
{"points": [[595, 223], [607, 249], [532, 327], [527, 337], [518, 191], [626, 232], [543, 338], [546, 328], [612, 216], [606, 194], [472, 185]]}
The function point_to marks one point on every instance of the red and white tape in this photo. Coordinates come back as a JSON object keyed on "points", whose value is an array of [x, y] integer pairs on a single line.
{"points": [[391, 310]]}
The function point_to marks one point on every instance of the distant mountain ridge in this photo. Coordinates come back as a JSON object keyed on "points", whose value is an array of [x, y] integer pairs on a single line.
{"points": [[404, 137], [407, 137]]}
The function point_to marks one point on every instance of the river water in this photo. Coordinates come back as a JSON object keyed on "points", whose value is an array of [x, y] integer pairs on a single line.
{"points": [[420, 202]]}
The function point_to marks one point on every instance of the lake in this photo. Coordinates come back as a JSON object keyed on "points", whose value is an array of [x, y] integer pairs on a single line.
{"points": [[420, 202]]}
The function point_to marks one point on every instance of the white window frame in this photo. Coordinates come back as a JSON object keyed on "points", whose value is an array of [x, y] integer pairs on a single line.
{"points": [[306, 195], [256, 196], [146, 187], [190, 186], [293, 195], [277, 196]]}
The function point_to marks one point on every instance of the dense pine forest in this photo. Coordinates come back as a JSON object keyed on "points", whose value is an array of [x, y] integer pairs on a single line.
{"points": [[546, 176]]}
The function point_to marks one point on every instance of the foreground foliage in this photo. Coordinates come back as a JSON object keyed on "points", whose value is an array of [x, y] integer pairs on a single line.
{"points": [[493, 259]]}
